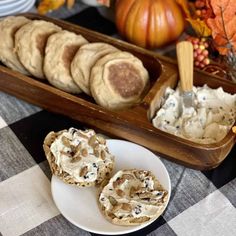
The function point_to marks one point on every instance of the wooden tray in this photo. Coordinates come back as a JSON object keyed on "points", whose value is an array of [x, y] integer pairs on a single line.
{"points": [[131, 124]]}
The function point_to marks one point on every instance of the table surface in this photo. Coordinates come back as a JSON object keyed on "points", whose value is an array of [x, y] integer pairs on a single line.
{"points": [[202, 202]]}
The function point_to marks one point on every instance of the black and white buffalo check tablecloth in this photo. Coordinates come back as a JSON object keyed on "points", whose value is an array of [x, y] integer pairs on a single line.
{"points": [[202, 202]]}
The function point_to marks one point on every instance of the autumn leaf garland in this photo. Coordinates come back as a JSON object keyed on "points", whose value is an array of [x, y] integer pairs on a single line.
{"points": [[219, 23], [50, 5], [223, 25]]}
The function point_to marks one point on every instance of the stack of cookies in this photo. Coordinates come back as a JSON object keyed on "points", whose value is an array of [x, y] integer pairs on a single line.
{"points": [[114, 78], [82, 158]]}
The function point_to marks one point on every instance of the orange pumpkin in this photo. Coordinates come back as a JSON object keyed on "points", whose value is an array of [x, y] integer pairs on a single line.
{"points": [[149, 23]]}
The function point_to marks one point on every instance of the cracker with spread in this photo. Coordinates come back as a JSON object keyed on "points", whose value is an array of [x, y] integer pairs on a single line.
{"points": [[78, 157], [132, 197]]}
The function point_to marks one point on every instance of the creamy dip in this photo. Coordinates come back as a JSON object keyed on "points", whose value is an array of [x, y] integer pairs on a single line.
{"points": [[93, 154], [209, 122], [135, 205]]}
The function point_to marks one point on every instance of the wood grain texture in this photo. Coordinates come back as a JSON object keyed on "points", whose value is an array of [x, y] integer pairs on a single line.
{"points": [[184, 52], [133, 124]]}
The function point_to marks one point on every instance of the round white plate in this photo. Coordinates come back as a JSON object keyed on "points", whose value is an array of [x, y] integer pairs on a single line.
{"points": [[29, 7], [12, 5], [79, 205], [5, 2], [26, 6]]}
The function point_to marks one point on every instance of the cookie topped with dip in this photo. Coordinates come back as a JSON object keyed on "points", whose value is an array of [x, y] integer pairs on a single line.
{"points": [[78, 157], [132, 197]]}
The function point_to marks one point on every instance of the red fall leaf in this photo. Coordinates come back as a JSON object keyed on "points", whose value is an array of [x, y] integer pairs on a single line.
{"points": [[223, 25]]}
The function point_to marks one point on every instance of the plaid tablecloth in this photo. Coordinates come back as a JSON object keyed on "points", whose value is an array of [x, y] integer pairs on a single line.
{"points": [[202, 202]]}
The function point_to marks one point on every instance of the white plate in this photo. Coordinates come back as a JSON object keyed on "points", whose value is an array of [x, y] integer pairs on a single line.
{"points": [[79, 205], [12, 5], [5, 2], [26, 6], [29, 7]]}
